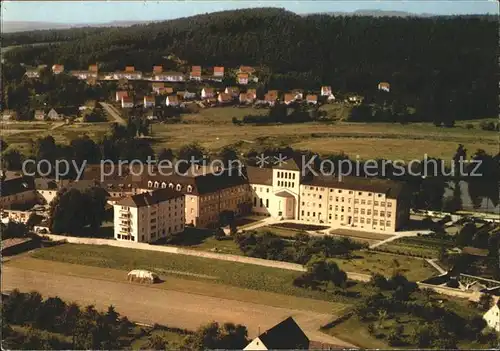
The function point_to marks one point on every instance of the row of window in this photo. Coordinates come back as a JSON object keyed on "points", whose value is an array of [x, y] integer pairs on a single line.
{"points": [[286, 175], [339, 191], [178, 187], [261, 204], [286, 184]]}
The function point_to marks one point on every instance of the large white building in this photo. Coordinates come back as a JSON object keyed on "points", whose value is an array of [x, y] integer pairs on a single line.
{"points": [[364, 203], [149, 216]]}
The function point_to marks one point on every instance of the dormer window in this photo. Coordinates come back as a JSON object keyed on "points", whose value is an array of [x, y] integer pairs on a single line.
{"points": [[163, 185], [170, 185], [150, 184], [178, 187], [157, 184], [189, 188]]}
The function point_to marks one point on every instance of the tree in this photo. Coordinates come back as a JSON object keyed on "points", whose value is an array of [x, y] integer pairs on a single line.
{"points": [[86, 150], [72, 210], [485, 302], [12, 160], [156, 342], [228, 154], [165, 154], [14, 230], [213, 336], [326, 271]]}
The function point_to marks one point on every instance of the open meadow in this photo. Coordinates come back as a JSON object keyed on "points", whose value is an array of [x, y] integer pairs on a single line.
{"points": [[213, 129]]}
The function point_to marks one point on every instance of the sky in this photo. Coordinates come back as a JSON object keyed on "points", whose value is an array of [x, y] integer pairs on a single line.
{"points": [[108, 11]]}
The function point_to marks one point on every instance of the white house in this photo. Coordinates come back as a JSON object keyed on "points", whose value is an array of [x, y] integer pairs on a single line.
{"points": [[285, 335], [149, 101], [312, 99], [149, 216], [384, 86], [8, 115], [242, 78], [127, 102], [172, 100], [168, 77], [326, 91], [39, 115], [54, 116], [207, 93], [492, 317], [56, 69], [32, 73]]}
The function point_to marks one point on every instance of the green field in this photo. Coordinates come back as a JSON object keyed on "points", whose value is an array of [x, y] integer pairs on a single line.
{"points": [[213, 129], [419, 246], [187, 267]]}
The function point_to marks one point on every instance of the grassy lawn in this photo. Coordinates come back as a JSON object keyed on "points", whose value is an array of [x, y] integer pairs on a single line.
{"points": [[369, 262], [245, 278], [213, 129], [355, 332], [359, 234], [283, 232], [420, 246]]}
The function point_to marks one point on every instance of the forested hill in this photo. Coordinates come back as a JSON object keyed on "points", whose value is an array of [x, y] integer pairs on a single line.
{"points": [[455, 57]]}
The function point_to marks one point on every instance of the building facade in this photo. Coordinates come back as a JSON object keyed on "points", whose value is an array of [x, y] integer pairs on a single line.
{"points": [[352, 202], [149, 216]]}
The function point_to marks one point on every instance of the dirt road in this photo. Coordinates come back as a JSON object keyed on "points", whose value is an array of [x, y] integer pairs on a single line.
{"points": [[111, 110], [150, 305]]}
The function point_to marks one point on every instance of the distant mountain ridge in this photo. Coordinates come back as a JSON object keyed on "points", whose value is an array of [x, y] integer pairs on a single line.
{"points": [[380, 13], [24, 26]]}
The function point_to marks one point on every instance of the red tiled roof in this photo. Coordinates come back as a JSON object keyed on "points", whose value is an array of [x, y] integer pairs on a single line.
{"points": [[129, 69], [225, 97], [93, 68], [196, 69], [243, 75], [311, 97], [247, 69], [218, 69], [157, 69]]}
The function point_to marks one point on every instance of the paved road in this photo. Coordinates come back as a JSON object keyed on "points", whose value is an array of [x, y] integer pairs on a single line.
{"points": [[111, 110], [151, 305]]}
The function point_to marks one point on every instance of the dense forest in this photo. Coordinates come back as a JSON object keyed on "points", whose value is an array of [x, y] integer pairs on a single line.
{"points": [[450, 61]]}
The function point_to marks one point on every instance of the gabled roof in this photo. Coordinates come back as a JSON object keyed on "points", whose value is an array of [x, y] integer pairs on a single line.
{"points": [[126, 99], [285, 335], [247, 69], [58, 67], [289, 97], [149, 198], [312, 97], [121, 93], [208, 90], [225, 97], [384, 84], [288, 164], [129, 69], [196, 69], [173, 98], [218, 69], [196, 74], [93, 68], [243, 75], [258, 175], [157, 69]]}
